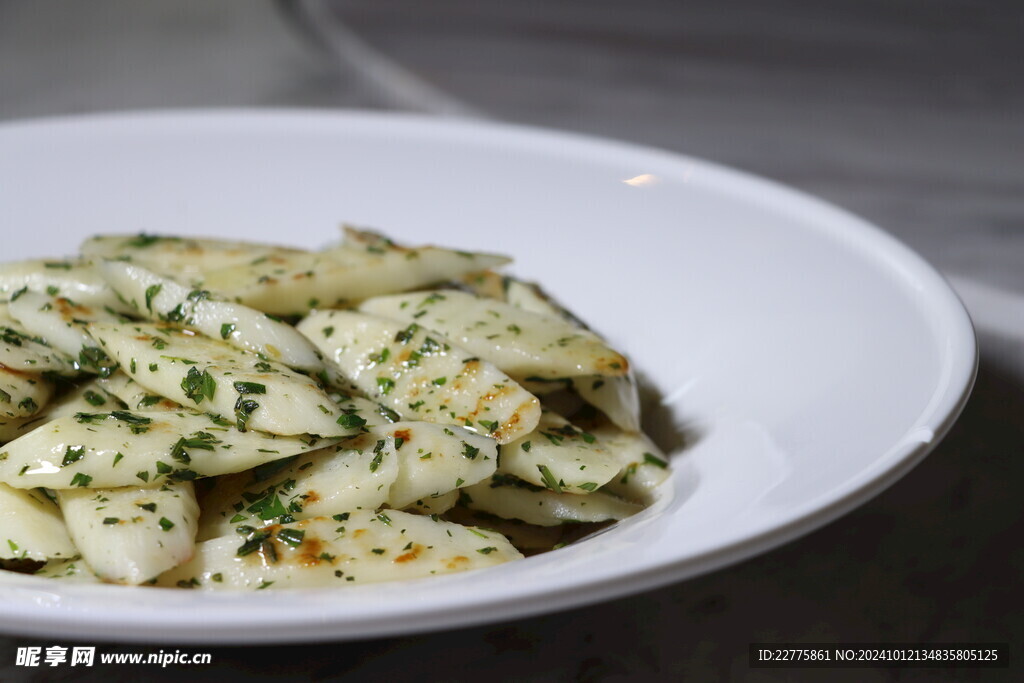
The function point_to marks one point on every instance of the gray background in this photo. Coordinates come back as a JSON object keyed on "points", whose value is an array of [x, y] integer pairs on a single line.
{"points": [[909, 113]]}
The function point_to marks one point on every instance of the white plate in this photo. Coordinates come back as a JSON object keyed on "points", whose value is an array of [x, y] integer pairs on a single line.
{"points": [[815, 358]]}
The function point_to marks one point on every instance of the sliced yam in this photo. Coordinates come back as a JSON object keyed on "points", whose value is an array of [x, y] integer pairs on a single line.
{"points": [[31, 527], [296, 284], [366, 547], [436, 459], [74, 279], [528, 296], [560, 457], [189, 257], [421, 375], [22, 394], [74, 571], [122, 388], [486, 284], [434, 504], [514, 499], [131, 448], [208, 374], [354, 475], [160, 298], [370, 412], [643, 466], [521, 343], [615, 396], [130, 534], [22, 350], [396, 465], [63, 324], [86, 397]]}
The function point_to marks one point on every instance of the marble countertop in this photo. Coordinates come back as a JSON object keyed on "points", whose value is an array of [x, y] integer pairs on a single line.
{"points": [[909, 114]]}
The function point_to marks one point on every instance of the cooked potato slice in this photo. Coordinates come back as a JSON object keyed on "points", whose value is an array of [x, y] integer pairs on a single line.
{"points": [[73, 279], [124, 389], [31, 527], [132, 534], [521, 343], [189, 257], [125, 448], [354, 475], [560, 457], [434, 504], [396, 465], [364, 547], [435, 459], [643, 466], [62, 323], [160, 298], [514, 499], [295, 284], [23, 351], [422, 375], [86, 397], [22, 394], [208, 374], [615, 396]]}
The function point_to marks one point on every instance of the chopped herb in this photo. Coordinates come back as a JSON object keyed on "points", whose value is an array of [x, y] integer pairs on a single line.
{"points": [[351, 421], [144, 476], [549, 479], [486, 551], [111, 520], [526, 446], [379, 455], [226, 330], [150, 293], [492, 425], [469, 451], [142, 240], [218, 577], [166, 524], [439, 381], [378, 551], [385, 385], [72, 454], [244, 408], [651, 459], [81, 480], [250, 388], [328, 331], [384, 518], [589, 486], [292, 537], [198, 386], [93, 398], [149, 507], [405, 335], [117, 458]]}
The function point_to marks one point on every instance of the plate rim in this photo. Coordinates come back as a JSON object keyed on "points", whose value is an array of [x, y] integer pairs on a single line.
{"points": [[884, 247]]}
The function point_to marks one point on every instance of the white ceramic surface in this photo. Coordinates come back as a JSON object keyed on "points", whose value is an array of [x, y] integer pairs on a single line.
{"points": [[811, 358]]}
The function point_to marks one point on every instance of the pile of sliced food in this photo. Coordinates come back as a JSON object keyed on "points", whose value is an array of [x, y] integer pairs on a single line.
{"points": [[221, 415]]}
